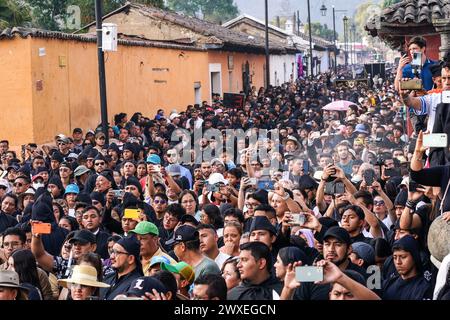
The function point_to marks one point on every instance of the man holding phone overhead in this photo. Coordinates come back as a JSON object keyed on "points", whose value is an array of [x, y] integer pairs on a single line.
{"points": [[417, 47]]}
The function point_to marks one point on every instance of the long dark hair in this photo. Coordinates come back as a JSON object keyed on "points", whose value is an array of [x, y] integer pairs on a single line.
{"points": [[25, 266]]}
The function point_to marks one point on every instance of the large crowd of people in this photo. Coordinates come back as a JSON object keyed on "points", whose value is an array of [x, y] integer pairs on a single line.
{"points": [[293, 195]]}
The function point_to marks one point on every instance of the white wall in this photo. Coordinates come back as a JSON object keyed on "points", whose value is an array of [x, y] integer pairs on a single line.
{"points": [[281, 69]]}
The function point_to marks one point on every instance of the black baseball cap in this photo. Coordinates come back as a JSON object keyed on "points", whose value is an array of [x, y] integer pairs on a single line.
{"points": [[183, 234], [142, 285], [339, 233], [83, 236], [262, 223]]}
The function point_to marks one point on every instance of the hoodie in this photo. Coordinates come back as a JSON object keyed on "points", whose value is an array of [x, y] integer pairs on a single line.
{"points": [[42, 210], [415, 288]]}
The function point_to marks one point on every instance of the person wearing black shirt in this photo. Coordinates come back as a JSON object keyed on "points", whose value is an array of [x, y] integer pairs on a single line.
{"points": [[410, 283], [337, 249], [127, 265], [258, 283]]}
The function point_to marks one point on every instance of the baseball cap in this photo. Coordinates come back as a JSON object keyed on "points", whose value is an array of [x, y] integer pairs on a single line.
{"points": [[361, 128], [141, 285], [181, 268], [173, 116], [84, 236], [13, 166], [183, 234], [80, 170], [364, 251], [153, 159], [174, 170], [145, 227], [72, 188], [158, 259], [217, 160], [339, 233], [217, 178], [4, 183]]}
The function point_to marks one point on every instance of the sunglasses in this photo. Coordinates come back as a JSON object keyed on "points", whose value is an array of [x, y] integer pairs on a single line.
{"points": [[18, 184], [159, 201], [171, 154], [378, 203], [99, 164]]}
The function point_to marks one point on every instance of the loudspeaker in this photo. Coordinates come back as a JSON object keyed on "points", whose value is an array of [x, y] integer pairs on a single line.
{"points": [[376, 69]]}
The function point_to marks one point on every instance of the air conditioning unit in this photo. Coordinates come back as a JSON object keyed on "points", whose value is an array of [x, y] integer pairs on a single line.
{"points": [[109, 37]]}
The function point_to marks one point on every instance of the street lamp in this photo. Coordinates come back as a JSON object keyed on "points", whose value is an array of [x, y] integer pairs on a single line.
{"points": [[323, 9]]}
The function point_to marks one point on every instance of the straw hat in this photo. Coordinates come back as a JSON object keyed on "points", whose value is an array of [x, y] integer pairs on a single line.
{"points": [[84, 275]]}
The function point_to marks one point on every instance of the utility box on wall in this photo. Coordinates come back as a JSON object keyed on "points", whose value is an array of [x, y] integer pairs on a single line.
{"points": [[109, 37]]}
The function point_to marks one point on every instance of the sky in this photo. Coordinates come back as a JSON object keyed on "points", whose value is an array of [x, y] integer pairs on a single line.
{"points": [[256, 9]]}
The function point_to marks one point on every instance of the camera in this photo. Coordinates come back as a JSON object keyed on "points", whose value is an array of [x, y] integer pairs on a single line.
{"points": [[413, 84], [379, 161]]}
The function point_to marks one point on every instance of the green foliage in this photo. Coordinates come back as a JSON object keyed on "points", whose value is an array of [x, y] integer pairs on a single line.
{"points": [[53, 14], [13, 14], [321, 30], [217, 11], [387, 3]]}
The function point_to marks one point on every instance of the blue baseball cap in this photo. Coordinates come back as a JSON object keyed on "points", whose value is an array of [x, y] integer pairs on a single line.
{"points": [[72, 188], [154, 159], [158, 259]]}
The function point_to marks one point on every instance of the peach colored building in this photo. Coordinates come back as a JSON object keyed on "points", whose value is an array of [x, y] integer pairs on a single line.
{"points": [[49, 80]]}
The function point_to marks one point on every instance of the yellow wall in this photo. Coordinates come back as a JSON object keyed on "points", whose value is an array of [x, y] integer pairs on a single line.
{"points": [[256, 63], [15, 92], [69, 97]]}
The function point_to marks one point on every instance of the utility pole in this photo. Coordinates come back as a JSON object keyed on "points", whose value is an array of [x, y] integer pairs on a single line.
{"points": [[101, 70]]}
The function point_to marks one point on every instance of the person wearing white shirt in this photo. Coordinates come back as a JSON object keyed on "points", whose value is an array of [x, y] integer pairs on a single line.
{"points": [[208, 244]]}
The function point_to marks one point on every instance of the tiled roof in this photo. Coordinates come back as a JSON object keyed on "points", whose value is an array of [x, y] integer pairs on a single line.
{"points": [[412, 12], [10, 33], [216, 34]]}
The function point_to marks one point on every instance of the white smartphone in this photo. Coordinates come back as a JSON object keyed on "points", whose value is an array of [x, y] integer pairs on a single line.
{"points": [[308, 274], [435, 140], [72, 212], [417, 59]]}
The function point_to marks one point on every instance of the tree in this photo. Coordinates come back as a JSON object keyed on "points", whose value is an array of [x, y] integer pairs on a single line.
{"points": [[54, 14], [317, 29], [13, 14], [388, 3], [217, 11]]}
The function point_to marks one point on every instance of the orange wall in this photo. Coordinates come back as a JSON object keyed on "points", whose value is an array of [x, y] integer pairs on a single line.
{"points": [[70, 97], [256, 63], [15, 92]]}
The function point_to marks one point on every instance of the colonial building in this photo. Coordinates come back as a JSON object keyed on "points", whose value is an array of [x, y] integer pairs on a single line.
{"points": [[49, 80], [323, 50]]}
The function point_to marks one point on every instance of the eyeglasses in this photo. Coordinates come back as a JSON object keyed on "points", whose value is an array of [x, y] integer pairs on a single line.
{"points": [[117, 252], [99, 164], [171, 154], [18, 184], [159, 201], [95, 202], [68, 247], [64, 169], [378, 203], [187, 201]]}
